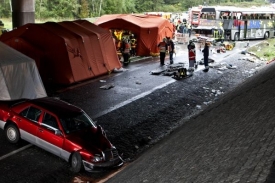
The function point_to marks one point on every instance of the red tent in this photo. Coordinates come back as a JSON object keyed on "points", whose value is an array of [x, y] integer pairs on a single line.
{"points": [[149, 29], [66, 52]]}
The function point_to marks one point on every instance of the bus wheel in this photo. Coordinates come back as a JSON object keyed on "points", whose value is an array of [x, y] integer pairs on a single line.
{"points": [[236, 37], [266, 35]]}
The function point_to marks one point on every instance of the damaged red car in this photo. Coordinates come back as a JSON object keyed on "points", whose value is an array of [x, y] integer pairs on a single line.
{"points": [[60, 128]]}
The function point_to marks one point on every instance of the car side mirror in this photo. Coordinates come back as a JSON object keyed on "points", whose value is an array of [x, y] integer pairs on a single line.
{"points": [[58, 132]]}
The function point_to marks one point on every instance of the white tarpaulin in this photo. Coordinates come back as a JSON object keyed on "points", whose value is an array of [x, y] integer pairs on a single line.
{"points": [[19, 76]]}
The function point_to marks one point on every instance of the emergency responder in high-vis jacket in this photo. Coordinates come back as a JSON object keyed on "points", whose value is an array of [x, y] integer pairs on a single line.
{"points": [[162, 51], [218, 34], [125, 50], [133, 45], [192, 56], [192, 59]]}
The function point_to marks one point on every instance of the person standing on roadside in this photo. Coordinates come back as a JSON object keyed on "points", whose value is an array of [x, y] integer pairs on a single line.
{"points": [[133, 45], [125, 50], [192, 56], [162, 50], [205, 57], [171, 48], [189, 29]]}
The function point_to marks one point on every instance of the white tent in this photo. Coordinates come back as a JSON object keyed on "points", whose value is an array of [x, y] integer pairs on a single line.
{"points": [[19, 76]]}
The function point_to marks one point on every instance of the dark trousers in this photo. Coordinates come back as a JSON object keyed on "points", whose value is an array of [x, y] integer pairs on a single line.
{"points": [[189, 32], [162, 57], [171, 56], [126, 57], [133, 52], [205, 60]]}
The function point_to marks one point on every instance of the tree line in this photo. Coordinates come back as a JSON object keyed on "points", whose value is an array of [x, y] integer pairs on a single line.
{"points": [[94, 8]]}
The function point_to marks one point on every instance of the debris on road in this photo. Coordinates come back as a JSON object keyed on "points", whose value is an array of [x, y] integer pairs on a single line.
{"points": [[158, 70], [222, 66], [119, 70], [107, 87], [177, 71], [210, 60], [198, 107], [230, 66], [207, 103]]}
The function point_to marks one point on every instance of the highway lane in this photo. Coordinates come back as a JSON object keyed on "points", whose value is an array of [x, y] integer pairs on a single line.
{"points": [[132, 84]]}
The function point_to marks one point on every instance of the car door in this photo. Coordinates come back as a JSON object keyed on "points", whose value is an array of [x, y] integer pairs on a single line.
{"points": [[49, 135], [27, 121]]}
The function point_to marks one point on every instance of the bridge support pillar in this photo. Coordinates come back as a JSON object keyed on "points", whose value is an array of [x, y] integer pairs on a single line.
{"points": [[22, 12]]}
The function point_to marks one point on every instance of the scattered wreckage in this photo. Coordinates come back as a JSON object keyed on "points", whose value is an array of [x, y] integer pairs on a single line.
{"points": [[177, 71]]}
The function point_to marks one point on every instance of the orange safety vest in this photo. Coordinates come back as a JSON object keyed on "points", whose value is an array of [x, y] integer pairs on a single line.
{"points": [[133, 43], [162, 47], [192, 55], [127, 48]]}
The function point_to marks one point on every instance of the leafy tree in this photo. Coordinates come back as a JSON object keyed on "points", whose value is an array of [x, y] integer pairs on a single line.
{"points": [[57, 8], [189, 4], [5, 9], [117, 7], [84, 9], [95, 7], [149, 5], [172, 1], [142, 5]]}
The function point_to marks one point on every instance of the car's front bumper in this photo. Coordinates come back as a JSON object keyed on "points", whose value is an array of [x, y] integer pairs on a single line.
{"points": [[88, 166]]}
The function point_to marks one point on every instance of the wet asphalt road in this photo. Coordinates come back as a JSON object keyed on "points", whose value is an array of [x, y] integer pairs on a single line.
{"points": [[231, 141], [133, 83], [123, 111]]}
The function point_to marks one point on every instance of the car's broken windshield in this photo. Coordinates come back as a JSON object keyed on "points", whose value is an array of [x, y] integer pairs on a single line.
{"points": [[77, 122]]}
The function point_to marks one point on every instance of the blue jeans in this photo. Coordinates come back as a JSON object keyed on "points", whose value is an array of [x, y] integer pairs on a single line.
{"points": [[189, 32], [171, 56]]}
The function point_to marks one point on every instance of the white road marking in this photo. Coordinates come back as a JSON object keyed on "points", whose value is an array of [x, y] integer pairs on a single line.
{"points": [[16, 151], [132, 99]]}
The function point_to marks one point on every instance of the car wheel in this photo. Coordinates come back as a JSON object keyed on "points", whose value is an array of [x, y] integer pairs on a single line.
{"points": [[76, 162], [266, 35], [236, 37], [12, 134]]}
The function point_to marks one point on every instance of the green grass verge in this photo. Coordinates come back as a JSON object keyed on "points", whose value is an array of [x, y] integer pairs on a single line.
{"points": [[264, 50], [8, 21]]}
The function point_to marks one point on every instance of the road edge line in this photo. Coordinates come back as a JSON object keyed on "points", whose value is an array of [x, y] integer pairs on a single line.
{"points": [[14, 152]]}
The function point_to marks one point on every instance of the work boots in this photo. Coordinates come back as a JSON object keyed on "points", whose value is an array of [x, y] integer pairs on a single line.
{"points": [[206, 69]]}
